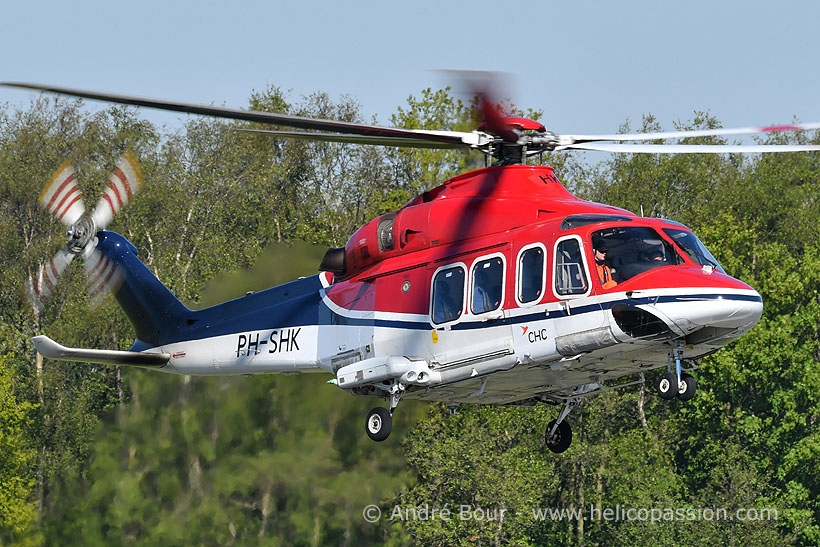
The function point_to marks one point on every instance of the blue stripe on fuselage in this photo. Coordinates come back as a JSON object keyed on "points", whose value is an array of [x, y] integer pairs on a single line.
{"points": [[299, 304], [538, 316]]}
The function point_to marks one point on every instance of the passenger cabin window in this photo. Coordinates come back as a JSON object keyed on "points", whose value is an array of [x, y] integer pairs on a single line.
{"points": [[448, 294], [625, 251], [488, 285], [570, 276], [531, 275]]}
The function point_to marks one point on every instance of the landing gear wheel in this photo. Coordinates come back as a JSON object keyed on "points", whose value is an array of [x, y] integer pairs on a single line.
{"points": [[667, 385], [378, 424], [687, 387], [561, 439]]}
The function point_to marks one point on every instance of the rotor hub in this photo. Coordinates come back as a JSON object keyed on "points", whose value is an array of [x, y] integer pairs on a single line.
{"points": [[80, 234], [517, 152]]}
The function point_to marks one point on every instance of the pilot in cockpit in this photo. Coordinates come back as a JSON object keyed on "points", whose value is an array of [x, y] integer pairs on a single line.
{"points": [[604, 271]]}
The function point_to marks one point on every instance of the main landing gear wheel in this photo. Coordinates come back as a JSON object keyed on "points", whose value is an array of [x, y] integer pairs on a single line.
{"points": [[667, 385], [687, 387], [378, 424], [560, 440]]}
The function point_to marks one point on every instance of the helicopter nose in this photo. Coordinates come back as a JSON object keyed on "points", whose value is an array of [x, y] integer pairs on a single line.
{"points": [[712, 311], [726, 311]]}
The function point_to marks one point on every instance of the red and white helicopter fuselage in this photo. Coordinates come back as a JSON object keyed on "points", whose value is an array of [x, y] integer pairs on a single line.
{"points": [[497, 287], [488, 289]]}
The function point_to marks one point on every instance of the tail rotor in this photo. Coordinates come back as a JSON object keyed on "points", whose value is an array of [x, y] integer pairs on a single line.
{"points": [[41, 284], [104, 277], [62, 199], [123, 185]]}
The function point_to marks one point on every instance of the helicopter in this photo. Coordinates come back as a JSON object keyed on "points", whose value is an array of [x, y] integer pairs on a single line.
{"points": [[497, 287]]}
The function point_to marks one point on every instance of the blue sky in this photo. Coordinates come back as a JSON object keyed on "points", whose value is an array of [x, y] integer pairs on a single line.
{"points": [[587, 65]]}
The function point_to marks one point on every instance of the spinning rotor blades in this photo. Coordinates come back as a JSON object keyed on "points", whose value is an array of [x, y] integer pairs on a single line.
{"points": [[690, 134], [692, 148], [63, 200], [62, 197], [269, 118], [123, 185], [104, 277], [500, 133], [40, 285]]}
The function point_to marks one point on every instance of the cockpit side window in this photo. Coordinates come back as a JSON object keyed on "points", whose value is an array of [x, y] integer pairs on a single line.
{"points": [[622, 252], [693, 247], [448, 294], [570, 274]]}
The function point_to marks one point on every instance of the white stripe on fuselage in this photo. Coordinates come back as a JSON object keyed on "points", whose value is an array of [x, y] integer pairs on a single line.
{"points": [[311, 347], [285, 349]]}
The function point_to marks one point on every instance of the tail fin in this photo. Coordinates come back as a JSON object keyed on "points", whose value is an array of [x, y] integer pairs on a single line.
{"points": [[157, 315]]}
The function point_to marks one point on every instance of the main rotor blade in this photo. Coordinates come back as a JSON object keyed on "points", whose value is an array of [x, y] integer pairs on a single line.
{"points": [[354, 139], [494, 122], [486, 86], [692, 148], [689, 134], [270, 118]]}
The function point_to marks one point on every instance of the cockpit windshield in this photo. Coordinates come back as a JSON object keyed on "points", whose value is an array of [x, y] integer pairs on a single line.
{"points": [[693, 247], [623, 252]]}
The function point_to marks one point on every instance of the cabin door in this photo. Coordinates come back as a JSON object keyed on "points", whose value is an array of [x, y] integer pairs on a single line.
{"points": [[470, 325], [578, 317]]}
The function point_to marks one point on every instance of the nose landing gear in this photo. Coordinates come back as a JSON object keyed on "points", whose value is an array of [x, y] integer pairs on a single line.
{"points": [[687, 387], [673, 384]]}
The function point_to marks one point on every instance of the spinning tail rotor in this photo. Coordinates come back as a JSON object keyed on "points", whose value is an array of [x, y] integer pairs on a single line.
{"points": [[62, 199]]}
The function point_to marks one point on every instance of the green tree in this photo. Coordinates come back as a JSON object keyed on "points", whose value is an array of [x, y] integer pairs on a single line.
{"points": [[18, 512], [68, 400]]}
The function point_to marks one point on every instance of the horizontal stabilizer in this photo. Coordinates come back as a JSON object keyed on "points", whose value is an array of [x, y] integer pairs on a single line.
{"points": [[51, 349]]}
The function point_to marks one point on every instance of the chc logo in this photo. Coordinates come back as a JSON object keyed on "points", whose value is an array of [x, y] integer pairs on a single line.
{"points": [[534, 335]]}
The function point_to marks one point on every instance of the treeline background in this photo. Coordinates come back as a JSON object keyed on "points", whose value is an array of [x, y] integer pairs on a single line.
{"points": [[113, 456]]}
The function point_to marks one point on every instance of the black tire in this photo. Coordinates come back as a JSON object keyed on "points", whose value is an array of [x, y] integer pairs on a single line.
{"points": [[561, 439], [687, 388], [668, 385], [378, 424]]}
